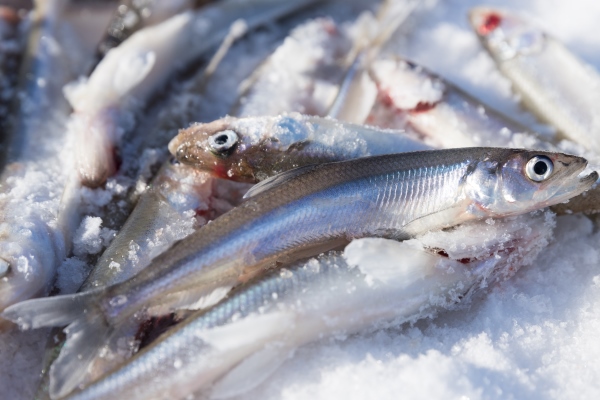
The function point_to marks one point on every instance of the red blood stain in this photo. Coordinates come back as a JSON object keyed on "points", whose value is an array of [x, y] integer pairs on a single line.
{"points": [[423, 106], [220, 170], [491, 22]]}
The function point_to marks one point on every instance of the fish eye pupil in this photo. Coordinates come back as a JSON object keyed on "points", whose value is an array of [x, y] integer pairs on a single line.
{"points": [[221, 139], [223, 143], [540, 167]]}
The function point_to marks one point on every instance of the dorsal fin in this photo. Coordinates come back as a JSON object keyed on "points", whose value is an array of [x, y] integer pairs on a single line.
{"points": [[277, 180]]}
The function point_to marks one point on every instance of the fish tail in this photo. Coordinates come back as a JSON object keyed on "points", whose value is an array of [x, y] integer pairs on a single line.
{"points": [[51, 311], [87, 332]]}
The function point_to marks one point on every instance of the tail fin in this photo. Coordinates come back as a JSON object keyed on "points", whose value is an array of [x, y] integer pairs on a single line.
{"points": [[51, 311], [88, 335]]}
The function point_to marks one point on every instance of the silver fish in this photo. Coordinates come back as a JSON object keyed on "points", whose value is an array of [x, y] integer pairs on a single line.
{"points": [[301, 213], [238, 343], [547, 75], [255, 148]]}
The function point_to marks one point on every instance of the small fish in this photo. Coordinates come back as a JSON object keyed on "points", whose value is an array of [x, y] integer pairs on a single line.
{"points": [[302, 213], [411, 97], [255, 148], [238, 343], [551, 80]]}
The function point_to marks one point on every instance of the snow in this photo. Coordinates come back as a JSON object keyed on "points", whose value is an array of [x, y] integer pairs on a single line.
{"points": [[533, 336]]}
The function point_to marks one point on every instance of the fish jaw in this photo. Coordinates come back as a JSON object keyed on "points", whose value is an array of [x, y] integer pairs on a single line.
{"points": [[505, 35]]}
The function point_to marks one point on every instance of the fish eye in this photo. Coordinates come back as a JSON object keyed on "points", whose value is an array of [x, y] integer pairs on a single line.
{"points": [[539, 168], [222, 143]]}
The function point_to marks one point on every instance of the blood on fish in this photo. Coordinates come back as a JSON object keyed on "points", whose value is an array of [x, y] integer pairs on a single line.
{"points": [[154, 327], [423, 106], [491, 22]]}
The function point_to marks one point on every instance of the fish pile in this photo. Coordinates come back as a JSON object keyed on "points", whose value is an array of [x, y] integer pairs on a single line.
{"points": [[185, 239]]}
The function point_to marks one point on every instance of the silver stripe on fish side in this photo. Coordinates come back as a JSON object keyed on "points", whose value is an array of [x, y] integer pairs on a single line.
{"points": [[302, 213]]}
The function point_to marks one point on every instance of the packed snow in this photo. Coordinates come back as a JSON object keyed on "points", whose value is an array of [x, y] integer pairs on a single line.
{"points": [[532, 336]]}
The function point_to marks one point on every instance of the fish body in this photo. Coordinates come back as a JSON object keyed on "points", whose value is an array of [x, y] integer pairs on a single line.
{"points": [[255, 148], [302, 213], [545, 73], [238, 343]]}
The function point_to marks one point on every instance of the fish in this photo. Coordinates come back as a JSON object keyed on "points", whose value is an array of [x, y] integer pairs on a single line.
{"points": [[32, 241], [443, 115], [544, 72], [301, 213], [107, 103], [374, 283], [255, 148]]}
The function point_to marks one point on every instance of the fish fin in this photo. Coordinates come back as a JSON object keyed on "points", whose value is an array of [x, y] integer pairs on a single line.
{"points": [[277, 180], [92, 348], [50, 311], [301, 252], [452, 213], [252, 371], [88, 332]]}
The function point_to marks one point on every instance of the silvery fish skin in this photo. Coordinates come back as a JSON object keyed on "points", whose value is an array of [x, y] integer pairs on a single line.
{"points": [[238, 343], [255, 148], [106, 104], [411, 97], [547, 75], [302, 213]]}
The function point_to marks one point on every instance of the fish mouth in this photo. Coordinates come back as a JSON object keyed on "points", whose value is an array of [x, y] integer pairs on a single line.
{"points": [[571, 189], [485, 20]]}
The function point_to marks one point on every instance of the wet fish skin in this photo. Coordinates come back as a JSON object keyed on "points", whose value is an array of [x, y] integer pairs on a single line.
{"points": [[264, 146], [299, 214], [267, 319], [553, 83]]}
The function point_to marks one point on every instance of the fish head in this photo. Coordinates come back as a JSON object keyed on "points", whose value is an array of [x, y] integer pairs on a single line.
{"points": [[216, 147], [244, 149], [506, 35], [510, 181]]}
